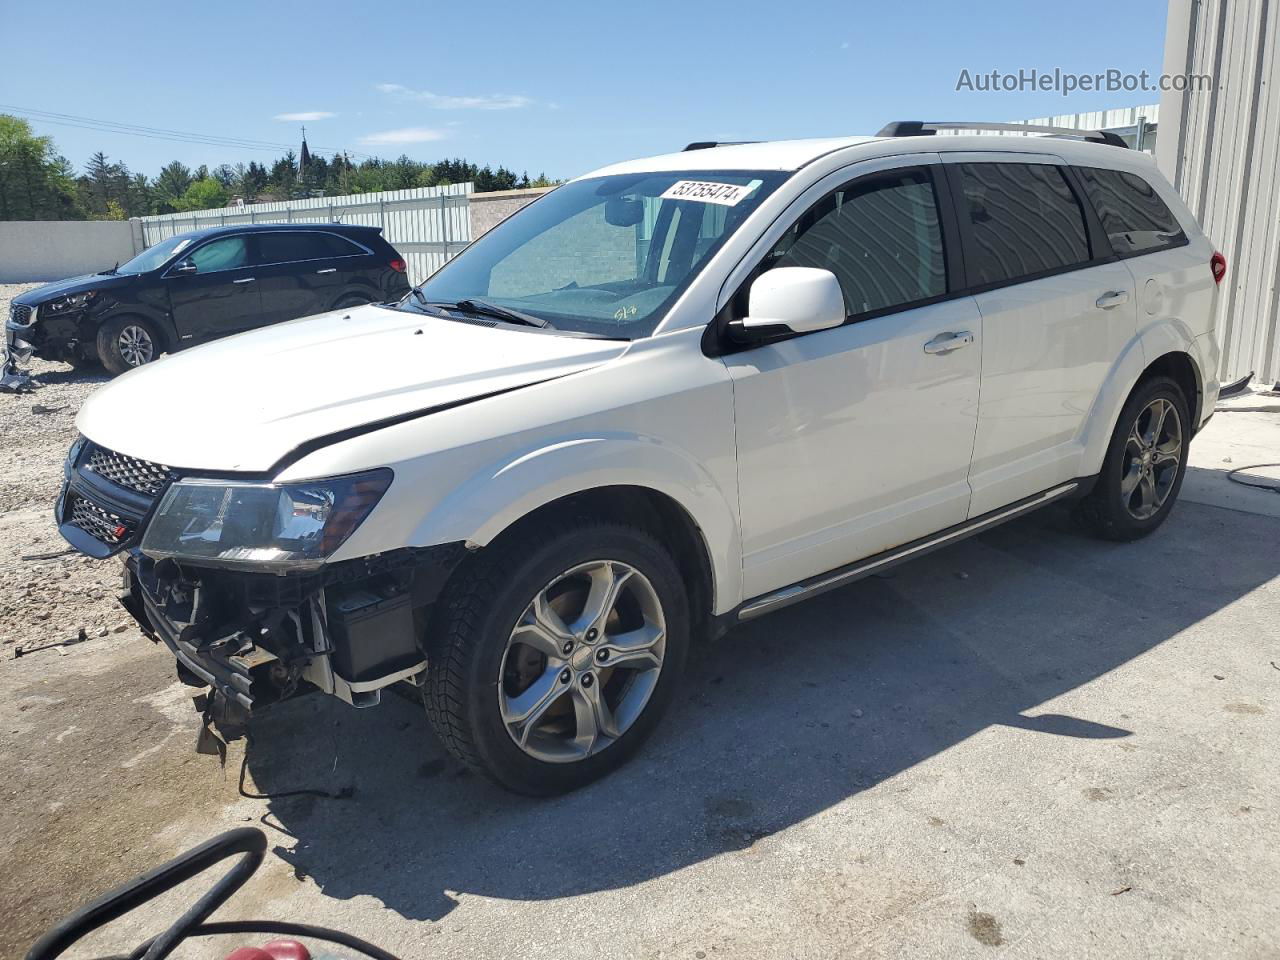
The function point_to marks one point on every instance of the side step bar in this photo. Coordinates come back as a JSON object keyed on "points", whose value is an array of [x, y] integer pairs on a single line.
{"points": [[882, 561]]}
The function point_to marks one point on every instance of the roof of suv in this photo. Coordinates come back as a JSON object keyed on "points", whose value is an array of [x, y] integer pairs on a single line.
{"points": [[791, 155], [348, 228]]}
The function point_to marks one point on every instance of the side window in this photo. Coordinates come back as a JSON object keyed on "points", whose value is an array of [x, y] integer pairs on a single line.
{"points": [[1023, 219], [289, 247], [227, 253], [1134, 217], [879, 235]]}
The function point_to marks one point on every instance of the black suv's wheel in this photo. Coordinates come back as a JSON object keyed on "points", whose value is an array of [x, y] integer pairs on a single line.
{"points": [[1145, 463], [351, 300], [556, 653], [127, 342]]}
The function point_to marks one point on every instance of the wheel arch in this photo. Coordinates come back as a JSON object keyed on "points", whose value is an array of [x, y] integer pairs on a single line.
{"points": [[1163, 349], [162, 326], [653, 511]]}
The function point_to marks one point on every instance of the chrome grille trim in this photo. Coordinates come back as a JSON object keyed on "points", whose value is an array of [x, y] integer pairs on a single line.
{"points": [[98, 523], [140, 476]]}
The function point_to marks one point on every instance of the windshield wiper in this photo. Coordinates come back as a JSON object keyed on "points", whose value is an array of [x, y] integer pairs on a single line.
{"points": [[484, 308]]}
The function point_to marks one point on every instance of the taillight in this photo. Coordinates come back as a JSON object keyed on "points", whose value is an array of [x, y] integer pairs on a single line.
{"points": [[1218, 264], [399, 265]]}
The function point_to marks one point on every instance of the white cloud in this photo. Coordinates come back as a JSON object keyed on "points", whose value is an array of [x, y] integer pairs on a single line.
{"points": [[305, 116], [439, 101], [404, 135]]}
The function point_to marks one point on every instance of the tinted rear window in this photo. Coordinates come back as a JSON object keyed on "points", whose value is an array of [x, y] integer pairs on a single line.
{"points": [[1024, 220], [1134, 217], [288, 247]]}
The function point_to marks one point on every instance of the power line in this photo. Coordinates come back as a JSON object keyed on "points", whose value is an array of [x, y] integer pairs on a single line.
{"points": [[163, 133]]}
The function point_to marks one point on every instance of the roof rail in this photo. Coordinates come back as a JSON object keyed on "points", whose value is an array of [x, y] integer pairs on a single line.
{"points": [[708, 144], [923, 128]]}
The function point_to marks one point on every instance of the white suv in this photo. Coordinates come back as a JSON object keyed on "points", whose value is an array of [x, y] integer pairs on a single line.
{"points": [[667, 397]]}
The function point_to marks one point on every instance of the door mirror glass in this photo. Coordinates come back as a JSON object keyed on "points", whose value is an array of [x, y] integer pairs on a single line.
{"points": [[186, 265], [791, 300]]}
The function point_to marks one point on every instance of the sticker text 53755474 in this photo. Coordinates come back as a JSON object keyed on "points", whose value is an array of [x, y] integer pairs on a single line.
{"points": [[706, 191]]}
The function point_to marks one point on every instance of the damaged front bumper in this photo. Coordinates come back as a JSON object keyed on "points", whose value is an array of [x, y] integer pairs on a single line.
{"points": [[256, 639]]}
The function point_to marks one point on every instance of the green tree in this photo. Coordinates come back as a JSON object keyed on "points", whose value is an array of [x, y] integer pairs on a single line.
{"points": [[170, 186], [205, 194], [35, 183]]}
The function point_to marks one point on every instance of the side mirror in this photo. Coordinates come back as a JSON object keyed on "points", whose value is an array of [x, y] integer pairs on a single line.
{"points": [[790, 300], [186, 265]]}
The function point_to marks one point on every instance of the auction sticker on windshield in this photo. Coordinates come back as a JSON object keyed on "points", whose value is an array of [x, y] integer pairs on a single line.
{"points": [[705, 191]]}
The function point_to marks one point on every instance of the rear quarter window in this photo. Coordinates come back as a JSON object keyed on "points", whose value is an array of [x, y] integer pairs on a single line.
{"points": [[1132, 214]]}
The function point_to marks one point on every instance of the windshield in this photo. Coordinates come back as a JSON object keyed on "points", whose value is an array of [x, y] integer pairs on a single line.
{"points": [[606, 256], [153, 257]]}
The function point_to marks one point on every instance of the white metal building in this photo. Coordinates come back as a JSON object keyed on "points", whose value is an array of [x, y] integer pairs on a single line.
{"points": [[1221, 148]]}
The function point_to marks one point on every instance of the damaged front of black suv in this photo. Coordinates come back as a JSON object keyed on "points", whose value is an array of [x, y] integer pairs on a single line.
{"points": [[230, 574]]}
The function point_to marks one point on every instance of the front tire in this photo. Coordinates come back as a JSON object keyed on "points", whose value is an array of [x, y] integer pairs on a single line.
{"points": [[556, 653], [1145, 463], [128, 342]]}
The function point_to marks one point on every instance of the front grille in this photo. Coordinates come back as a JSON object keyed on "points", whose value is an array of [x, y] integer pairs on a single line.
{"points": [[20, 314], [98, 523], [140, 476]]}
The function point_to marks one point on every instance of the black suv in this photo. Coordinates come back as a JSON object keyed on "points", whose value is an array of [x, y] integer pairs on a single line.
{"points": [[198, 286]]}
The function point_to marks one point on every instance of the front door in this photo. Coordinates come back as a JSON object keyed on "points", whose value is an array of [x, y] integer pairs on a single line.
{"points": [[220, 297], [857, 439]]}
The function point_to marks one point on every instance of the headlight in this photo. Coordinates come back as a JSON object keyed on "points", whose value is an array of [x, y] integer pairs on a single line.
{"points": [[73, 301], [263, 525]]}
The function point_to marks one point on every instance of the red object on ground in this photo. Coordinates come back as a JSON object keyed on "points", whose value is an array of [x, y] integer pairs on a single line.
{"points": [[275, 950], [249, 953]]}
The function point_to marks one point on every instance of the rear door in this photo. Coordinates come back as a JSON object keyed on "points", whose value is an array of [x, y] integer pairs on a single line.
{"points": [[1056, 315], [221, 296], [302, 272]]}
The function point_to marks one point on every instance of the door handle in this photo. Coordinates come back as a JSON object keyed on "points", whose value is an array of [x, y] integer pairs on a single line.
{"points": [[947, 342], [1112, 298], [328, 270], [245, 280]]}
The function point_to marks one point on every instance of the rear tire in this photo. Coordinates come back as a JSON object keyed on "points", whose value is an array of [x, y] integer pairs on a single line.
{"points": [[555, 654], [128, 342], [1145, 463], [351, 300]]}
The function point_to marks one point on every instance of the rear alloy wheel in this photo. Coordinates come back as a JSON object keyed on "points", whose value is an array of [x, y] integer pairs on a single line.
{"points": [[126, 343], [1145, 463], [1152, 455], [555, 654]]}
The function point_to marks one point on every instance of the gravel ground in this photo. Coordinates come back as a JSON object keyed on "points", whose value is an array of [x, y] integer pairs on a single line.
{"points": [[44, 601]]}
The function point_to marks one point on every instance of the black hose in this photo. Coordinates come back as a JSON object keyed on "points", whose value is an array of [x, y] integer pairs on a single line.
{"points": [[281, 928], [344, 794], [248, 841], [1231, 475]]}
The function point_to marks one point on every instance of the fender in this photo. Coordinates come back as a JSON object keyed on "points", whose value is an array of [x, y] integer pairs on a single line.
{"points": [[502, 493], [1163, 336]]}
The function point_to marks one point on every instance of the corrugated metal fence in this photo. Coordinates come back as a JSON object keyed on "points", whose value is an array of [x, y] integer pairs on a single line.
{"points": [[426, 224], [1221, 148]]}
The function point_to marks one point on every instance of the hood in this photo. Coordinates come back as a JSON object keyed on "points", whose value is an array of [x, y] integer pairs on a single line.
{"points": [[60, 288], [244, 403]]}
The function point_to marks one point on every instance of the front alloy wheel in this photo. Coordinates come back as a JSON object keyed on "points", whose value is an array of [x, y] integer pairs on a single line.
{"points": [[555, 651], [136, 346], [582, 661]]}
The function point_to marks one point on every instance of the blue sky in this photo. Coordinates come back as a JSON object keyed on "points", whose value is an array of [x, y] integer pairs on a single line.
{"points": [[559, 87]]}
